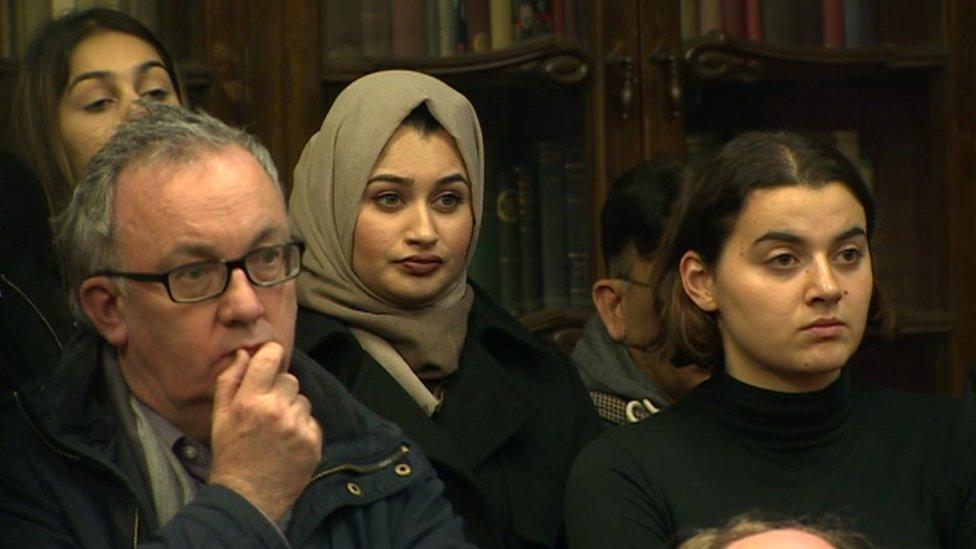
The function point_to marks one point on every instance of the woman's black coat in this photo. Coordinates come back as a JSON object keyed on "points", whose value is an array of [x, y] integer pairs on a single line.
{"points": [[514, 416]]}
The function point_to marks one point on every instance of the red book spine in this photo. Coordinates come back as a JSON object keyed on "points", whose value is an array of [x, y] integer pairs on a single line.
{"points": [[408, 28], [558, 18], [754, 30], [569, 18], [479, 35], [833, 23], [734, 17]]}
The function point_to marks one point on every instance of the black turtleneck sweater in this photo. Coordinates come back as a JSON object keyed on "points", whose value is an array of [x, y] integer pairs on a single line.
{"points": [[899, 468]]}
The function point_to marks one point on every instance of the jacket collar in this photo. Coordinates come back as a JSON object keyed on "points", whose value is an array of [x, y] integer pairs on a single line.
{"points": [[481, 393]]}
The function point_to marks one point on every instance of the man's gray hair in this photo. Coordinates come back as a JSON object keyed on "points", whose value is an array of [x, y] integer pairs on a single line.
{"points": [[158, 134]]}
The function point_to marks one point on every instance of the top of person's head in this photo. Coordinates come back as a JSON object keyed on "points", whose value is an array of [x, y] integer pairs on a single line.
{"points": [[43, 75], [636, 211], [161, 135], [711, 201], [745, 532]]}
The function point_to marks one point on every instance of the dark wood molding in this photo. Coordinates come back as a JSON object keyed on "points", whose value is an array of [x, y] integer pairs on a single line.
{"points": [[558, 61], [717, 56]]}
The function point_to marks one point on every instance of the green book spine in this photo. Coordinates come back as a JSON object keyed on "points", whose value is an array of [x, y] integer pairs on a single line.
{"points": [[432, 28], [577, 182], [342, 29], [552, 225], [529, 240]]}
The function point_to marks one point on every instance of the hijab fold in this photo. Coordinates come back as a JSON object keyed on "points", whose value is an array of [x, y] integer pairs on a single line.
{"points": [[330, 178]]}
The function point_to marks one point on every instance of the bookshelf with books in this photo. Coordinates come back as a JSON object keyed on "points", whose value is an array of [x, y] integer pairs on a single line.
{"points": [[891, 94]]}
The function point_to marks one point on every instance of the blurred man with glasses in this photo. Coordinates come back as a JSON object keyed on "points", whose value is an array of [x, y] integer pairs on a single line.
{"points": [[628, 381], [183, 417]]}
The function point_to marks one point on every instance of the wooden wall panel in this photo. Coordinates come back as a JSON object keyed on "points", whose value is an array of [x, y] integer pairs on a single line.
{"points": [[961, 153], [662, 124], [616, 99], [264, 59]]}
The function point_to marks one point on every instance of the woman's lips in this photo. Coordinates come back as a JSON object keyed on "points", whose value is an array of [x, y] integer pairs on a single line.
{"points": [[420, 265], [826, 329]]}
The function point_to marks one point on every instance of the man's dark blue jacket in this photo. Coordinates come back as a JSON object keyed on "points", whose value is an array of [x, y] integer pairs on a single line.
{"points": [[70, 478]]}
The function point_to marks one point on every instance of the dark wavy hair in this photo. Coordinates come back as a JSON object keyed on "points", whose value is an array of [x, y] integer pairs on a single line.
{"points": [[43, 76], [707, 210]]}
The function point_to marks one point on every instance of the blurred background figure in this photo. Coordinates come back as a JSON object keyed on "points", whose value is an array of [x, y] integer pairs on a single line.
{"points": [[626, 379], [78, 79]]}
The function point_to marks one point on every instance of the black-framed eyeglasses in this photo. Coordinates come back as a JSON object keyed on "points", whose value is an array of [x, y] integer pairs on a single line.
{"points": [[636, 282], [206, 279]]}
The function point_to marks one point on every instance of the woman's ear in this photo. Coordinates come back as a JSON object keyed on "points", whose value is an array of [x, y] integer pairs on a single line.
{"points": [[608, 299], [698, 281], [103, 302]]}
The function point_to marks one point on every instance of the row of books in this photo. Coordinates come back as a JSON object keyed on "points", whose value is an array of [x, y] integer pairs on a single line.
{"points": [[439, 28], [820, 23], [534, 247], [20, 18]]}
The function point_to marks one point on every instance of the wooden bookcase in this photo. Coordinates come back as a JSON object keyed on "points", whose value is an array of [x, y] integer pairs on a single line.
{"points": [[628, 87]]}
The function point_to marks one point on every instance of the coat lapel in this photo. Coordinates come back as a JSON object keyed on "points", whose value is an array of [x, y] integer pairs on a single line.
{"points": [[375, 388], [484, 406]]}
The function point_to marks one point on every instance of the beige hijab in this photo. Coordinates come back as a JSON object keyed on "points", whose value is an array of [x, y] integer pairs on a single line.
{"points": [[419, 347]]}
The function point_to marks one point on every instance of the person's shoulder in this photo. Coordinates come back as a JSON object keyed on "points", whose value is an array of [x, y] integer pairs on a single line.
{"points": [[503, 336], [897, 401], [918, 415]]}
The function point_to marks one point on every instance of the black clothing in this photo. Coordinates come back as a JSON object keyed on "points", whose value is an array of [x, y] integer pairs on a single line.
{"points": [[514, 416], [897, 467], [35, 322], [69, 477]]}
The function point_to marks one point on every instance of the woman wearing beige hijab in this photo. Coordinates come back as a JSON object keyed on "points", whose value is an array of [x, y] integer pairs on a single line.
{"points": [[388, 197]]}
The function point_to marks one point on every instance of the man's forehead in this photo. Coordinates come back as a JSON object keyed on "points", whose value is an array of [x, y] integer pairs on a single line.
{"points": [[219, 195], [205, 172]]}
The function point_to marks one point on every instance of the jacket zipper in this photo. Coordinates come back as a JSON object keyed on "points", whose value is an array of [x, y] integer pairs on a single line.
{"points": [[400, 453], [69, 455], [36, 310]]}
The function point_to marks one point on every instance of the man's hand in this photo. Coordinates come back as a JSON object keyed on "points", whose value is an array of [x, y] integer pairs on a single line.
{"points": [[264, 439]]}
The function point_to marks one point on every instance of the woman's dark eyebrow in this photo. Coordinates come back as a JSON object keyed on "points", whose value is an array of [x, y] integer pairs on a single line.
{"points": [[453, 178], [90, 75], [850, 233], [782, 236], [390, 178], [779, 236]]}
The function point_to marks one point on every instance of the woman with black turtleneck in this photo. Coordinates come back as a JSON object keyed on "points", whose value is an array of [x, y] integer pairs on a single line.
{"points": [[766, 275]]}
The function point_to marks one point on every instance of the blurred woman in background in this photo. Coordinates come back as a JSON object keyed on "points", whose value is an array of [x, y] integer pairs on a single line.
{"points": [[79, 77]]}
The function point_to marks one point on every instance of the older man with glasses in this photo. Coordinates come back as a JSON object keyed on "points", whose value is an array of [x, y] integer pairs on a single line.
{"points": [[182, 416]]}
